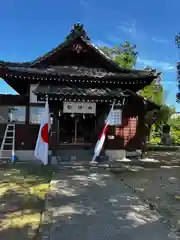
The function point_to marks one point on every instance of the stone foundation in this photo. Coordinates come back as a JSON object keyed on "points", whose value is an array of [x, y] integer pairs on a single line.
{"points": [[74, 154], [120, 154], [22, 155], [114, 155]]}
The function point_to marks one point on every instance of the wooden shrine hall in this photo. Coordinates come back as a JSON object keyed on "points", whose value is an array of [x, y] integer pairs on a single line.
{"points": [[81, 84]]}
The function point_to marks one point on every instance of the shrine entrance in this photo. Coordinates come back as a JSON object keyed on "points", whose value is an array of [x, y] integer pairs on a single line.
{"points": [[76, 124], [76, 129]]}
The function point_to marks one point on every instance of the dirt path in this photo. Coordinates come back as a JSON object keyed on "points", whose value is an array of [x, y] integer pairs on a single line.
{"points": [[94, 204], [161, 187]]}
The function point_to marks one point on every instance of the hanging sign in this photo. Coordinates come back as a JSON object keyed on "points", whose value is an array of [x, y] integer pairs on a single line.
{"points": [[79, 107]]}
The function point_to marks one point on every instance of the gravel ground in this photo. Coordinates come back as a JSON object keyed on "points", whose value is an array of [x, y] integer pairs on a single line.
{"points": [[161, 187], [168, 157], [93, 204]]}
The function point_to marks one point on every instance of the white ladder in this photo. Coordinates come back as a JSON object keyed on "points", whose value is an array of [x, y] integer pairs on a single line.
{"points": [[8, 144]]}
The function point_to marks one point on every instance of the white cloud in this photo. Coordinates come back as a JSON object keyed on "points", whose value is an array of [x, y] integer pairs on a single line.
{"points": [[128, 27], [160, 40], [132, 29], [100, 43], [136, 32], [161, 65]]}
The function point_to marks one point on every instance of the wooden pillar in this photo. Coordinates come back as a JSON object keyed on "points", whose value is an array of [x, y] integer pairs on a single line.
{"points": [[28, 108], [27, 114], [54, 134], [144, 127]]}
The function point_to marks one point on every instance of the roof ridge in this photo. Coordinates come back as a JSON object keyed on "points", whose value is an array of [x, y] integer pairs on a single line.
{"points": [[36, 60], [55, 49], [73, 36]]}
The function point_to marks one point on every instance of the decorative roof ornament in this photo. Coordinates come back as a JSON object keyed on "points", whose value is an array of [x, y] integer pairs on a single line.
{"points": [[77, 29]]}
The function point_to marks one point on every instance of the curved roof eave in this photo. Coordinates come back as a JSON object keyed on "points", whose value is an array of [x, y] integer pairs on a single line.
{"points": [[116, 67]]}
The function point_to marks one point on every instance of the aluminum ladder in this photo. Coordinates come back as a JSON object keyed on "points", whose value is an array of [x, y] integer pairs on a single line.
{"points": [[8, 144]]}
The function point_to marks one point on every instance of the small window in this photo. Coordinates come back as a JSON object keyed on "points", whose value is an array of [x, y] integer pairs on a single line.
{"points": [[36, 114], [115, 117], [17, 114]]}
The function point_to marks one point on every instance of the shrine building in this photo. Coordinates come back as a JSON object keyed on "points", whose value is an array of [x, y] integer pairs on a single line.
{"points": [[81, 83]]}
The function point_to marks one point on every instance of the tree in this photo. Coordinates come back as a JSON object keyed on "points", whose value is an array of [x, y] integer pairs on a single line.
{"points": [[124, 55], [175, 129], [155, 93], [177, 41]]}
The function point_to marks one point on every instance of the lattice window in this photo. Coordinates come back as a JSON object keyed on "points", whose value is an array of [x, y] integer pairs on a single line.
{"points": [[116, 117]]}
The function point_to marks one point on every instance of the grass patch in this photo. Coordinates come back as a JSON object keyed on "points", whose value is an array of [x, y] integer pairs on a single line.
{"points": [[23, 188]]}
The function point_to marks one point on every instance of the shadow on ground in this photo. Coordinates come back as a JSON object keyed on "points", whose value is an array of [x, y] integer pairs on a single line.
{"points": [[160, 187], [93, 204], [22, 194], [168, 157]]}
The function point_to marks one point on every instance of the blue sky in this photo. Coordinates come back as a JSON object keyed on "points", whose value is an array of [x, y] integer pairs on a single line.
{"points": [[31, 28]]}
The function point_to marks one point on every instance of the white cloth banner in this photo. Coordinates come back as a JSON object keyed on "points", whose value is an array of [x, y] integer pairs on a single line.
{"points": [[79, 107], [102, 136], [41, 149]]}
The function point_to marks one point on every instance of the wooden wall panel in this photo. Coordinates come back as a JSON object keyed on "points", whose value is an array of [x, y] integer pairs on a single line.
{"points": [[130, 135], [13, 100], [127, 131], [26, 136], [2, 131]]}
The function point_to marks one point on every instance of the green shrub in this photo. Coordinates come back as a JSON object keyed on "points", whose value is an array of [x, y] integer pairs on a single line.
{"points": [[175, 134], [155, 140]]}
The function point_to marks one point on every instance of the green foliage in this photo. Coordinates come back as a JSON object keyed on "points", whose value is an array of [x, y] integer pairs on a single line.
{"points": [[153, 92], [174, 123], [155, 140], [108, 51], [162, 118], [175, 129], [175, 132], [124, 55], [164, 114], [154, 135], [177, 42]]}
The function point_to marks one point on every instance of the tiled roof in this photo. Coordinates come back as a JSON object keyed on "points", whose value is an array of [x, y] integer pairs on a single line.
{"points": [[76, 91], [96, 93], [33, 68], [80, 71], [33, 63]]}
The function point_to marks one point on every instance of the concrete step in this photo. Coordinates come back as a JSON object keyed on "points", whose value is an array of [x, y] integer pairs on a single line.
{"points": [[68, 155], [145, 163]]}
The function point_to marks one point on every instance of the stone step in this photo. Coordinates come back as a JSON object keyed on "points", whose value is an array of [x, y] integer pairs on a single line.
{"points": [[68, 155], [145, 163]]}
